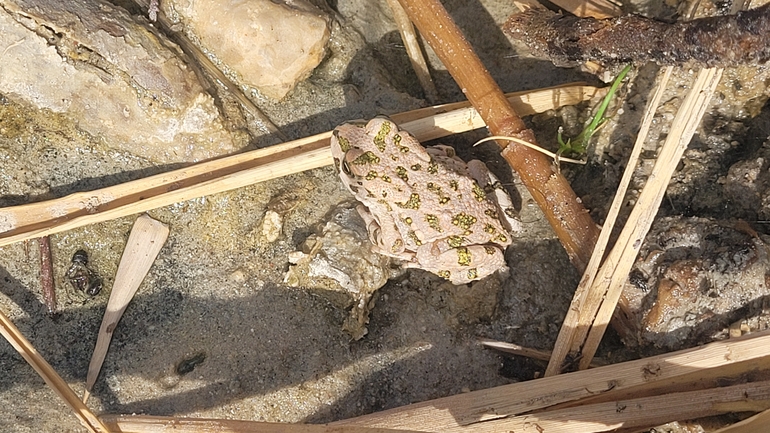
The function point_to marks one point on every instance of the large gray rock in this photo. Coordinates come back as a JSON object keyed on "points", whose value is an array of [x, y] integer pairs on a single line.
{"points": [[114, 77]]}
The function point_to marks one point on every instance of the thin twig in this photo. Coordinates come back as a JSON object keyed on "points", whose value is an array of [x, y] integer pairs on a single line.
{"points": [[515, 349], [531, 146], [46, 275], [409, 37]]}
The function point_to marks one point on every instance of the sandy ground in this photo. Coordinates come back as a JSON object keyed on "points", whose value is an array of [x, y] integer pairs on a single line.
{"points": [[214, 302]]}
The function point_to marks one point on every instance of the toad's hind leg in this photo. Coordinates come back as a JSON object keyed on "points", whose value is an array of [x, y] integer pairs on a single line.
{"points": [[461, 265]]}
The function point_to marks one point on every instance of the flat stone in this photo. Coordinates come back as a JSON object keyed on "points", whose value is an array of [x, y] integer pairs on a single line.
{"points": [[115, 78], [271, 46]]}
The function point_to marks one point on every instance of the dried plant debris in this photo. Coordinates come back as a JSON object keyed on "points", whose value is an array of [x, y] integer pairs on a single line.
{"points": [[721, 41]]}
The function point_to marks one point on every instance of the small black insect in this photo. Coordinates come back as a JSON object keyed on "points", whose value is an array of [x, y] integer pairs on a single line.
{"points": [[81, 277], [189, 364]]}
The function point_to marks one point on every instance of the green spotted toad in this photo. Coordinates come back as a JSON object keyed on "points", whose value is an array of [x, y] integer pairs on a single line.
{"points": [[424, 206]]}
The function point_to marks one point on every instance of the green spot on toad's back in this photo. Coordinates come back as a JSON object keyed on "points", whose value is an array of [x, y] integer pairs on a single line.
{"points": [[489, 228], [490, 250], [398, 246], [412, 203], [455, 241], [416, 167], [366, 158], [401, 173], [463, 220], [371, 175], [432, 187], [379, 139], [386, 204], [444, 274], [473, 274], [454, 184], [386, 178], [478, 193], [432, 167], [463, 256], [433, 222], [413, 236], [343, 142]]}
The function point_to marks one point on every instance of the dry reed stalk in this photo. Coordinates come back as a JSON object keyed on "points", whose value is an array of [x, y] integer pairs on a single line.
{"points": [[550, 190], [49, 375], [144, 243], [409, 36], [18, 223], [699, 368], [158, 424], [617, 265], [632, 393], [569, 331], [515, 349], [636, 413]]}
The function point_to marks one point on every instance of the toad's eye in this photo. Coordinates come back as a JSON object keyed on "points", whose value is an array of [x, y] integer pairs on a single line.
{"points": [[346, 168]]}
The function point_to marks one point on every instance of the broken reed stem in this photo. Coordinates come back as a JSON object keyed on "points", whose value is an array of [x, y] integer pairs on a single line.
{"points": [[145, 241], [616, 267], [582, 300], [569, 219], [640, 413], [28, 221], [161, 424], [49, 375], [698, 368], [409, 37], [46, 275]]}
